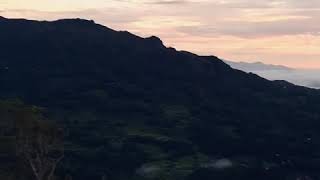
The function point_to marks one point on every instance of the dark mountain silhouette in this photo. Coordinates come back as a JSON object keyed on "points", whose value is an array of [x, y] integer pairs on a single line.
{"points": [[135, 109]]}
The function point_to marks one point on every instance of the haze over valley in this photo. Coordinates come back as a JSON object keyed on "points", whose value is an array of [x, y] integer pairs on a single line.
{"points": [[303, 77]]}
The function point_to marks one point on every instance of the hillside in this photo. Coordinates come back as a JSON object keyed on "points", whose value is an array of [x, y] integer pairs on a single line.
{"points": [[135, 109]]}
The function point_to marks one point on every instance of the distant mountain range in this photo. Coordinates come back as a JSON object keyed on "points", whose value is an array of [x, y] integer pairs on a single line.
{"points": [[302, 77], [134, 109], [256, 66]]}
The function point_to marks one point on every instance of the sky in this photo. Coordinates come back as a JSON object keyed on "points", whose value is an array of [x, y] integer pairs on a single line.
{"points": [[285, 32]]}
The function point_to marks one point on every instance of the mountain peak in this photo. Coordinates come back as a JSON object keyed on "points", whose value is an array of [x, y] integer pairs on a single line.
{"points": [[75, 20], [155, 40]]}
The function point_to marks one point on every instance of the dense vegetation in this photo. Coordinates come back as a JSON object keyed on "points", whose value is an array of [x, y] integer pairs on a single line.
{"points": [[133, 109]]}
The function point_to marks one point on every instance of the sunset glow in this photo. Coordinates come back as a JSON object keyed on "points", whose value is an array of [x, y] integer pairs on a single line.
{"points": [[285, 32]]}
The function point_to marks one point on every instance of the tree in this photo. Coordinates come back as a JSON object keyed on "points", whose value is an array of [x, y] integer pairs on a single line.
{"points": [[38, 142]]}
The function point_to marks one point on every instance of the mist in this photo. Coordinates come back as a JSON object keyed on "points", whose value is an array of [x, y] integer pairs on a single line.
{"points": [[302, 77]]}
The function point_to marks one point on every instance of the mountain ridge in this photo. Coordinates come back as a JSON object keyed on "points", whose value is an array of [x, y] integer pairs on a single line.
{"points": [[130, 105], [256, 66]]}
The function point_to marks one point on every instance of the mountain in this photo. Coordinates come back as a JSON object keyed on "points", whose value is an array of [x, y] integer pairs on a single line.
{"points": [[135, 109], [302, 77], [256, 66]]}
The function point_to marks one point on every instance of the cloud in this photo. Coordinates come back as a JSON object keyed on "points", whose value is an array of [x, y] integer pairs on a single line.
{"points": [[168, 2], [108, 16], [246, 4], [161, 2], [256, 23], [312, 4], [283, 4]]}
